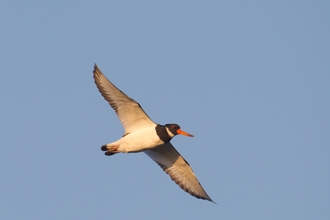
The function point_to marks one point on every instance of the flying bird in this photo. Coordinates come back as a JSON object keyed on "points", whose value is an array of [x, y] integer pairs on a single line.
{"points": [[143, 135]]}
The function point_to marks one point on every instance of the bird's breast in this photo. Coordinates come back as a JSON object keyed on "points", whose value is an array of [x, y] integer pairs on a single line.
{"points": [[140, 140]]}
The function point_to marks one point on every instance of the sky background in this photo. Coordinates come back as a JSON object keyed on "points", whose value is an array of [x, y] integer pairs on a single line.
{"points": [[250, 79]]}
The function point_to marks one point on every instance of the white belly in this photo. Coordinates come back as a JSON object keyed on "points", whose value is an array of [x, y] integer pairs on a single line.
{"points": [[140, 140]]}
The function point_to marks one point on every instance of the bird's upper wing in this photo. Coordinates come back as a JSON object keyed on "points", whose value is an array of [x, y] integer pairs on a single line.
{"points": [[170, 160], [129, 111]]}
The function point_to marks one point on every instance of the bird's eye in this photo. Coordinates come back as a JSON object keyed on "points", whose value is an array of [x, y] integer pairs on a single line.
{"points": [[175, 126]]}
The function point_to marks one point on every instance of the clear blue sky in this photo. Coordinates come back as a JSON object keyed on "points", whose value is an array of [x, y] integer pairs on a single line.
{"points": [[250, 79]]}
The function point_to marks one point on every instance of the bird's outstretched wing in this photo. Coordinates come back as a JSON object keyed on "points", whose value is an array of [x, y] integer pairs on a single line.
{"points": [[130, 113], [170, 160]]}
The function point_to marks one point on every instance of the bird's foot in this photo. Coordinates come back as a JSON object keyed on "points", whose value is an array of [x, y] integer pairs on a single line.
{"points": [[109, 150]]}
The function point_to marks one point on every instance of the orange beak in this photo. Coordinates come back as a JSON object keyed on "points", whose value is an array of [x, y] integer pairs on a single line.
{"points": [[184, 133]]}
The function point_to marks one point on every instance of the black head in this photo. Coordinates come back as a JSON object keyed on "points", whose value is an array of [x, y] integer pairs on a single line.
{"points": [[175, 129]]}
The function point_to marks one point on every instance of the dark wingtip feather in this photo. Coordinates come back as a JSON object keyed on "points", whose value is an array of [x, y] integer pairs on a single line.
{"points": [[96, 69]]}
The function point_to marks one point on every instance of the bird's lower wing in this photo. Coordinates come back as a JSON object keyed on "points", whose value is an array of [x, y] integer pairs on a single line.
{"points": [[170, 160]]}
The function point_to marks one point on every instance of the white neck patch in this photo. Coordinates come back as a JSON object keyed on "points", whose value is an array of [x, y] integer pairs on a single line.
{"points": [[169, 132]]}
